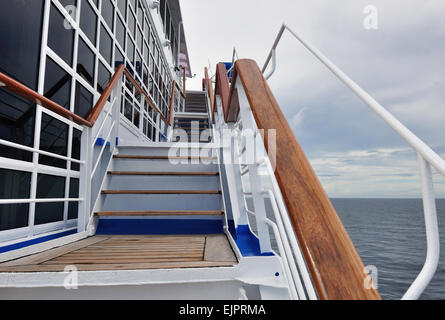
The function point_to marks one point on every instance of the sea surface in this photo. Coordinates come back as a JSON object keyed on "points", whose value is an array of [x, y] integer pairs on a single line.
{"points": [[390, 235]]}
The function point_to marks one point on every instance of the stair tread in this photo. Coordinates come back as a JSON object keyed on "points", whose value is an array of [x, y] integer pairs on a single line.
{"points": [[161, 157], [160, 213], [148, 192], [151, 173]]}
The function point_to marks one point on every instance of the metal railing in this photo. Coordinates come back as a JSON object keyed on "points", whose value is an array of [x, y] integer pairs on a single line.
{"points": [[427, 158], [244, 165]]}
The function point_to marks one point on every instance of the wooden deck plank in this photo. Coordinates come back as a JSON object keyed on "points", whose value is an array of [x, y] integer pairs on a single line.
{"points": [[130, 253], [217, 248], [119, 266], [51, 254]]}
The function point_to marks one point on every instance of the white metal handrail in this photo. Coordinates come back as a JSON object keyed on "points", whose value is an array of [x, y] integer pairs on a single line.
{"points": [[428, 158]]}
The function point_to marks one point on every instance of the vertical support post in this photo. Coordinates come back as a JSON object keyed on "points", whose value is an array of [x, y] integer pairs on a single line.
{"points": [[115, 112], [432, 234], [85, 180], [254, 177]]}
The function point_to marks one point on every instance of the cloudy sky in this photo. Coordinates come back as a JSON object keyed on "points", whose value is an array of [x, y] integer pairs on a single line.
{"points": [[401, 64]]}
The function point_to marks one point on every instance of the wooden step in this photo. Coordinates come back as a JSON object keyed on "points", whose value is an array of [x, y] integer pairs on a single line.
{"points": [[147, 192], [157, 213], [141, 173]]}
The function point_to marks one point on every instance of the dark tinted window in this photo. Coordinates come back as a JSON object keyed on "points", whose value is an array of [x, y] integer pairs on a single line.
{"points": [[120, 33], [51, 187], [85, 62], [88, 21], [73, 207], [108, 12], [14, 185], [106, 45], [17, 116], [122, 5], [140, 14], [19, 58], [20, 42], [60, 39], [66, 3], [83, 101], [75, 152], [57, 84], [103, 79], [118, 58], [54, 139], [130, 50], [131, 24]]}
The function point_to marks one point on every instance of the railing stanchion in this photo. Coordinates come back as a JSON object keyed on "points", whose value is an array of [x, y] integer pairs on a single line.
{"points": [[432, 234]]}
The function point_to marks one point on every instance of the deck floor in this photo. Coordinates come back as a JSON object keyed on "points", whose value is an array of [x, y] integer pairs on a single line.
{"points": [[130, 253]]}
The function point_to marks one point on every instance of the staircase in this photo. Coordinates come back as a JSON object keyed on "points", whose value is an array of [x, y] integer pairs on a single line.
{"points": [[193, 125], [151, 193]]}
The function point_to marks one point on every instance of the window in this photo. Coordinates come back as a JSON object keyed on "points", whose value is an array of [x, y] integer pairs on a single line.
{"points": [[14, 185], [106, 45], [60, 39], [104, 77], [88, 21], [57, 84], [85, 62], [49, 187], [108, 12], [83, 101], [73, 207], [53, 139], [120, 33]]}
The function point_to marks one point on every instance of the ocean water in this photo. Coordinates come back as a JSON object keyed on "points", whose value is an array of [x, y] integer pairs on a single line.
{"points": [[390, 235]]}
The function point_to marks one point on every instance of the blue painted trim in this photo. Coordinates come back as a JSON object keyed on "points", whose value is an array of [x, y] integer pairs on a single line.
{"points": [[28, 243], [100, 142], [158, 227], [248, 243]]}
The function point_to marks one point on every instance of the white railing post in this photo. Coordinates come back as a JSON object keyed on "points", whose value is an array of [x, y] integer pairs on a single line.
{"points": [[86, 155], [432, 234], [253, 172]]}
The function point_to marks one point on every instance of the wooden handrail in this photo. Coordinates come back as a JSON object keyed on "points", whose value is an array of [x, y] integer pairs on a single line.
{"points": [[209, 85], [29, 94], [335, 266], [222, 88], [172, 100]]}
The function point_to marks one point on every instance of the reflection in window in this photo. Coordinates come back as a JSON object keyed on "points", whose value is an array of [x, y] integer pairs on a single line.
{"points": [[108, 12], [122, 5], [120, 32], [60, 39], [57, 84], [88, 21], [83, 101], [14, 185], [49, 187], [85, 62], [75, 149], [104, 77], [17, 116], [73, 207], [53, 139], [106, 45]]}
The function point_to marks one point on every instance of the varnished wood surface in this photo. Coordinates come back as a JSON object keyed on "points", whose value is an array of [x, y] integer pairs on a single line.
{"points": [[29, 94], [335, 266], [222, 87], [130, 253]]}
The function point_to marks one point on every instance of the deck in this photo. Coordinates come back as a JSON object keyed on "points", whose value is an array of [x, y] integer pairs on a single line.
{"points": [[130, 253]]}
